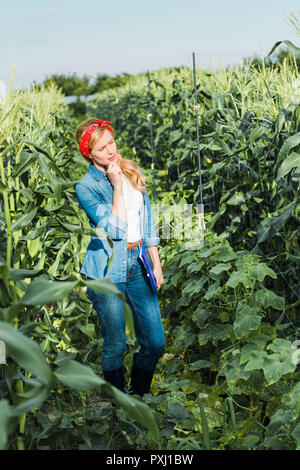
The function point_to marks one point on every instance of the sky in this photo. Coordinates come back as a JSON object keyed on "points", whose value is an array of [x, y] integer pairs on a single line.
{"points": [[43, 37]]}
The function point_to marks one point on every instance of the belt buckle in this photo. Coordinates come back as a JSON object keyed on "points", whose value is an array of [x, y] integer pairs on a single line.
{"points": [[132, 244]]}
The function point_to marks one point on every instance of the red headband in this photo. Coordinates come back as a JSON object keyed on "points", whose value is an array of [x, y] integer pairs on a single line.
{"points": [[85, 139]]}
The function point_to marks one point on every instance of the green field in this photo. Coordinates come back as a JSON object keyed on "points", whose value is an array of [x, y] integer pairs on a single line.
{"points": [[229, 378]]}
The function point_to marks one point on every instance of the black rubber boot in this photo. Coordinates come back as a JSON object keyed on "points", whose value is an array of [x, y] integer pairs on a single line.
{"points": [[140, 379], [115, 377]]}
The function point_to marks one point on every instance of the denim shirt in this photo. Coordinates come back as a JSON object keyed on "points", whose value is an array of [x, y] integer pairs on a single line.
{"points": [[94, 192]]}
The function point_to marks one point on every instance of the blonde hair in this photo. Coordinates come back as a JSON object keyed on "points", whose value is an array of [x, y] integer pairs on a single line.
{"points": [[128, 167]]}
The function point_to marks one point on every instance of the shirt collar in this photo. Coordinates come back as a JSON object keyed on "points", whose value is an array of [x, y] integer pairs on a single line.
{"points": [[96, 173]]}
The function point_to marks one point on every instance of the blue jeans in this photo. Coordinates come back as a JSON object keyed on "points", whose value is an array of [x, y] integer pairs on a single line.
{"points": [[146, 315]]}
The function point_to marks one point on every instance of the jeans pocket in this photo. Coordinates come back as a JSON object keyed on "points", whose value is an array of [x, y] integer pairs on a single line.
{"points": [[131, 271]]}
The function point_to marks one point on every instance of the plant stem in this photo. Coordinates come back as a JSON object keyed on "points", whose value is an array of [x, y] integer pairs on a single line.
{"points": [[7, 215], [205, 431], [21, 419]]}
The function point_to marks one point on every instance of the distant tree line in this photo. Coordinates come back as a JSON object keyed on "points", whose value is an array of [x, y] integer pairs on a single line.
{"points": [[73, 85]]}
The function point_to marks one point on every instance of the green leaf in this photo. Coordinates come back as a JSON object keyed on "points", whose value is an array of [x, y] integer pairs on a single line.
{"points": [[276, 433], [236, 199], [274, 365], [213, 290], [35, 233], [27, 193], [174, 136], [16, 274], [5, 416], [210, 146], [260, 341], [288, 43], [137, 410], [106, 286], [23, 220], [201, 364], [25, 352], [219, 268], [10, 147], [26, 160], [178, 413], [43, 164], [294, 397], [41, 292], [206, 253], [260, 271], [177, 384], [58, 190], [296, 435], [32, 399], [200, 315], [4, 273], [288, 145], [75, 375], [64, 356], [129, 318], [267, 298], [254, 357], [49, 162], [236, 277], [88, 330], [159, 132], [37, 147], [34, 247], [193, 286], [2, 186], [204, 426], [246, 319], [53, 269], [270, 226], [194, 267], [10, 312], [292, 161], [214, 333], [216, 167], [234, 371], [184, 336], [187, 258]]}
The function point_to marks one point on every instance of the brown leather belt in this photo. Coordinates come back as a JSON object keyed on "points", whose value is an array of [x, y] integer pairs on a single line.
{"points": [[131, 245]]}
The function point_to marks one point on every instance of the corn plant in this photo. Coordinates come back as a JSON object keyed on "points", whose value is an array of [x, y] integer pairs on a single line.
{"points": [[41, 234]]}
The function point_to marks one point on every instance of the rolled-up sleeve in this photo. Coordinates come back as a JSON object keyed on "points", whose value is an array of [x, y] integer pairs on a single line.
{"points": [[100, 212]]}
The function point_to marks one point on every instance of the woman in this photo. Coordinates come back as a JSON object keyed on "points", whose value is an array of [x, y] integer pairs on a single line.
{"points": [[114, 196]]}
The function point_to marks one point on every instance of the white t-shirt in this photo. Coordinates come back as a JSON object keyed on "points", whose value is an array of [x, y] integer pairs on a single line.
{"points": [[133, 203]]}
